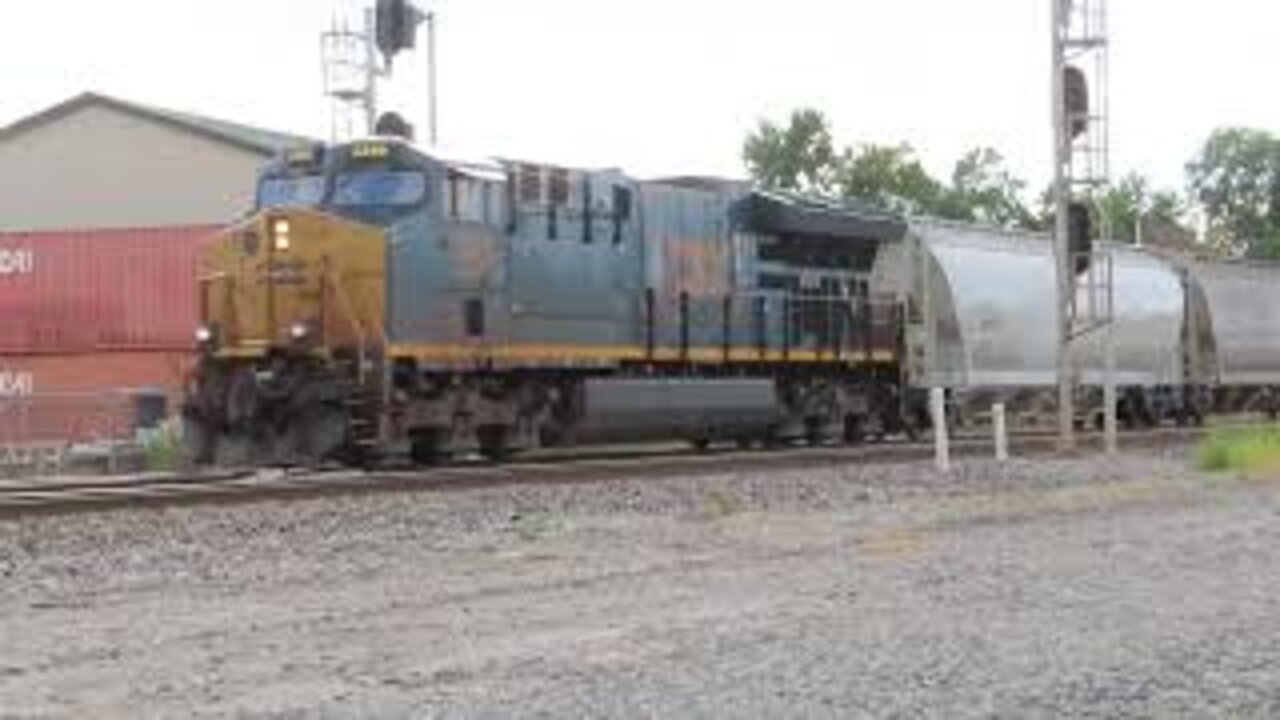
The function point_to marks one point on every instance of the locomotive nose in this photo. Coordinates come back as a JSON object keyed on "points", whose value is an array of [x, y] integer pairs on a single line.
{"points": [[296, 280]]}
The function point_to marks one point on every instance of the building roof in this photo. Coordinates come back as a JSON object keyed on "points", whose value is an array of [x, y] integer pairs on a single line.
{"points": [[245, 137]]}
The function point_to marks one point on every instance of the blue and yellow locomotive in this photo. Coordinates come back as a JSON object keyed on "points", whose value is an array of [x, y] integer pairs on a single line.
{"points": [[384, 301]]}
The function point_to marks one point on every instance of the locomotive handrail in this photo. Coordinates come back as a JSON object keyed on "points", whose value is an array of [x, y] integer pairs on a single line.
{"points": [[204, 282], [345, 303], [834, 326]]}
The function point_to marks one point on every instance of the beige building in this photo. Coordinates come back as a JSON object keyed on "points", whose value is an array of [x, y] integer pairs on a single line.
{"points": [[95, 162]]}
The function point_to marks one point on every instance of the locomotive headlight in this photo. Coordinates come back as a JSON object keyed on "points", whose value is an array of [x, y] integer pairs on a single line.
{"points": [[280, 234], [207, 338]]}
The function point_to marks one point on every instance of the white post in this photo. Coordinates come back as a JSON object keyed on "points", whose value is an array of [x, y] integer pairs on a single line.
{"points": [[1109, 399], [1001, 432], [941, 446]]}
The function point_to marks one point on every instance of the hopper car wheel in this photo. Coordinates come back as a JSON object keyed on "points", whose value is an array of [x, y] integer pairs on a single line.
{"points": [[813, 436]]}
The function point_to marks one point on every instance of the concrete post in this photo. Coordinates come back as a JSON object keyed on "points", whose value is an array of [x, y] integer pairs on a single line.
{"points": [[1000, 429], [941, 445], [1109, 399]]}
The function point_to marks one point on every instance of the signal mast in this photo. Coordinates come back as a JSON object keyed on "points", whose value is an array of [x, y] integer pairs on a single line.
{"points": [[1081, 169], [352, 68]]}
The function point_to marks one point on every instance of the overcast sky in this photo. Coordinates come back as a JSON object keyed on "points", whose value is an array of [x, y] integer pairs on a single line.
{"points": [[672, 86]]}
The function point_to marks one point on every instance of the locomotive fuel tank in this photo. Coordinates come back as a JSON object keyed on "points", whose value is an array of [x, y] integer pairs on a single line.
{"points": [[654, 408]]}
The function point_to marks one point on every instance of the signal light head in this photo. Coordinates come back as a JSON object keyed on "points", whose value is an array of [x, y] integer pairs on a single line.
{"points": [[397, 26]]}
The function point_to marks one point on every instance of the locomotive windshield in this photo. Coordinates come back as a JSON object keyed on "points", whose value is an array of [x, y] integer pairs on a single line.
{"points": [[289, 192], [380, 188]]}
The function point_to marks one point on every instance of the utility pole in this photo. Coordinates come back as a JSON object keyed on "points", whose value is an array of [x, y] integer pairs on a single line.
{"points": [[432, 87], [1065, 274]]}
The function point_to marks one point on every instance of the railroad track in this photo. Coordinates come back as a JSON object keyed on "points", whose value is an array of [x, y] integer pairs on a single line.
{"points": [[25, 497]]}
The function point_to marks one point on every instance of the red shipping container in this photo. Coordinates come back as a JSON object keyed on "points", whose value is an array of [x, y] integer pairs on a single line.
{"points": [[83, 397], [94, 372], [65, 419], [92, 290]]}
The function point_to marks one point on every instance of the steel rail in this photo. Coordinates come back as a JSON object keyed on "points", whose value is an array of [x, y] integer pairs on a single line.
{"points": [[78, 495]]}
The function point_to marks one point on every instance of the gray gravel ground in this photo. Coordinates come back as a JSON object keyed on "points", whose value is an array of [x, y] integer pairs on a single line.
{"points": [[1087, 588]]}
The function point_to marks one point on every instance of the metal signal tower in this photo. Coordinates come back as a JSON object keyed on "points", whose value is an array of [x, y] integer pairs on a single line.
{"points": [[351, 67], [1081, 169]]}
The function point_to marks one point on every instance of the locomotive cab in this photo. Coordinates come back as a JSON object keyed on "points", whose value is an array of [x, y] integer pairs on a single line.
{"points": [[307, 270]]}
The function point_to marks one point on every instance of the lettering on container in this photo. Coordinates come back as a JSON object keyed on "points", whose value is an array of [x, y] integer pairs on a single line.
{"points": [[17, 262], [32, 460], [16, 384]]}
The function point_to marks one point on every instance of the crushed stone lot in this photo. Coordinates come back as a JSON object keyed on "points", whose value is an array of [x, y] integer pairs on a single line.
{"points": [[1132, 587]]}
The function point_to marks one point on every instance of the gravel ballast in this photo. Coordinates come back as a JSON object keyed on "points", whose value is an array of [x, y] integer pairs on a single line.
{"points": [[1132, 586]]}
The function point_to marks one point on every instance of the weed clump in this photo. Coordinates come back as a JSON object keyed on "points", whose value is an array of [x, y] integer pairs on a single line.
{"points": [[1240, 450]]}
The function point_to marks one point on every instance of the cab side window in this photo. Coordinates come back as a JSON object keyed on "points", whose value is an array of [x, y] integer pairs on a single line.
{"points": [[468, 199]]}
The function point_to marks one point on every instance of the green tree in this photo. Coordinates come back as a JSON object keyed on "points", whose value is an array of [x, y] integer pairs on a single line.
{"points": [[800, 157], [1236, 178], [1167, 205], [983, 190], [1120, 206], [890, 177]]}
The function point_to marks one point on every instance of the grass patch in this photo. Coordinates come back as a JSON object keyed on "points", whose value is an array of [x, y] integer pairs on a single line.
{"points": [[1241, 450], [162, 449]]}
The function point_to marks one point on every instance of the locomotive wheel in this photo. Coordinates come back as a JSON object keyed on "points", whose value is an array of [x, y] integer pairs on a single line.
{"points": [[495, 442], [317, 436], [235, 451], [854, 434], [428, 447], [198, 441]]}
